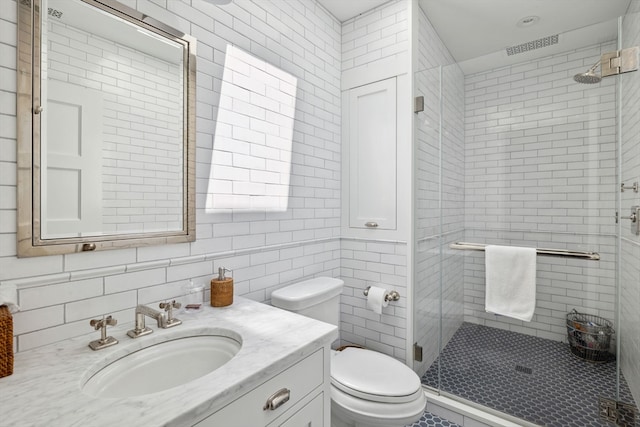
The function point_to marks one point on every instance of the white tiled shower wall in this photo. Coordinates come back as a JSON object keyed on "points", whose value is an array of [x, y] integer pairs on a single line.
{"points": [[59, 294], [540, 164], [630, 244], [141, 166]]}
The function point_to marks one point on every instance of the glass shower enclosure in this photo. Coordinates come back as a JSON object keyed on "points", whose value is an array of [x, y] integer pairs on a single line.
{"points": [[526, 155]]}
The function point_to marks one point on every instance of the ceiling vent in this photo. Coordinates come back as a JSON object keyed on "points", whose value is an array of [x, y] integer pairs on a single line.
{"points": [[55, 13], [534, 44]]}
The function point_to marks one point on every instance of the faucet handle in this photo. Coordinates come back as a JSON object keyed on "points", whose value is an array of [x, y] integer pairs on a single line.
{"points": [[96, 323], [103, 323], [104, 341], [168, 307]]}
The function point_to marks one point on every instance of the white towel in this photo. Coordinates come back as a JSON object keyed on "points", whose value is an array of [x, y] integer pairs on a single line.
{"points": [[510, 281], [9, 297]]}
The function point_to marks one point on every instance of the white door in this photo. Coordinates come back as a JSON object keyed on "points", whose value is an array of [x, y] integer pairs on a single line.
{"points": [[372, 155], [71, 184]]}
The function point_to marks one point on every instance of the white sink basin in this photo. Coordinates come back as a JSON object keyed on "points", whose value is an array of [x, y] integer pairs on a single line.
{"points": [[162, 366]]}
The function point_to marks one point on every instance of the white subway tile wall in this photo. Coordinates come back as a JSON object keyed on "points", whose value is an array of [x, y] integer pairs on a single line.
{"points": [[540, 166], [374, 263], [265, 249], [630, 243], [377, 35]]}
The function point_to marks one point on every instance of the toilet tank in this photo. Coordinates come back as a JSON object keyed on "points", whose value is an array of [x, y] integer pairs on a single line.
{"points": [[318, 298]]}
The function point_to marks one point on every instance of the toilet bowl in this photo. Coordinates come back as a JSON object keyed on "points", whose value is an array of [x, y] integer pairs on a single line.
{"points": [[368, 389]]}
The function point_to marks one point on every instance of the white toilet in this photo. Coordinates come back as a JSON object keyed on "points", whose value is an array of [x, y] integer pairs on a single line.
{"points": [[368, 389]]}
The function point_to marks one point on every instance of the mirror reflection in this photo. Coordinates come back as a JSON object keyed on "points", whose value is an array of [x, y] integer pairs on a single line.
{"points": [[111, 125]]}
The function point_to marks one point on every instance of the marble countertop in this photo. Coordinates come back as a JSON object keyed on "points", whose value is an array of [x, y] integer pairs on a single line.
{"points": [[45, 388]]}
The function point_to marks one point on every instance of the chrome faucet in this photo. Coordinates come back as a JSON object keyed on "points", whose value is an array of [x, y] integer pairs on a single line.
{"points": [[165, 318]]}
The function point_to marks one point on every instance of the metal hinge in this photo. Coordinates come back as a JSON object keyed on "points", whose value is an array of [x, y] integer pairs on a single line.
{"points": [[418, 104], [633, 187], [417, 352], [619, 61], [622, 414]]}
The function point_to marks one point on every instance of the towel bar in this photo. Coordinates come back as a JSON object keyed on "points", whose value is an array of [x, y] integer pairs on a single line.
{"points": [[563, 253]]}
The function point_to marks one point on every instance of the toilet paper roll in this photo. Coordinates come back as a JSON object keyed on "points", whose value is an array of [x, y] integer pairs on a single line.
{"points": [[376, 300]]}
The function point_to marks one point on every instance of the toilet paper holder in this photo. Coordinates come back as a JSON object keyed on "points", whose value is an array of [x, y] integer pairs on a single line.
{"points": [[393, 295]]}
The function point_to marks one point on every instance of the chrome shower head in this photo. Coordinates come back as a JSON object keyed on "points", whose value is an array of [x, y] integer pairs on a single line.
{"points": [[589, 77]]}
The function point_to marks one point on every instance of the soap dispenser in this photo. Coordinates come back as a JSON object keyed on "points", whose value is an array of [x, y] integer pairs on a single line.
{"points": [[222, 289]]}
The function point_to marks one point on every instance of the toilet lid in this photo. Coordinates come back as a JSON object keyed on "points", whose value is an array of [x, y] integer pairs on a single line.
{"points": [[373, 376]]}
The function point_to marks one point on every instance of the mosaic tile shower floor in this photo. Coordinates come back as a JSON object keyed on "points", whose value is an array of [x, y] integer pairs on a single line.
{"points": [[532, 378], [429, 420]]}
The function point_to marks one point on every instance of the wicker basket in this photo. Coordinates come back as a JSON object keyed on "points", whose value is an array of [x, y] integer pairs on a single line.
{"points": [[589, 336], [6, 342]]}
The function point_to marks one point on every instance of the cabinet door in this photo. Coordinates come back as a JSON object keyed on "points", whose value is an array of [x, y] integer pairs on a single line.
{"points": [[309, 416], [372, 155], [300, 380]]}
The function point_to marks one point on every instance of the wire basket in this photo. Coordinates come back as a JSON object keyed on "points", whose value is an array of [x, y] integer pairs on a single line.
{"points": [[589, 336]]}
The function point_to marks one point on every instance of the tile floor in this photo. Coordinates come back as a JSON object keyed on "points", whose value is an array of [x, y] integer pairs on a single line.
{"points": [[430, 420], [535, 379]]}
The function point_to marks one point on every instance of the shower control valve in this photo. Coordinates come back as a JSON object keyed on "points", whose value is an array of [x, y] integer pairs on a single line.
{"points": [[635, 219]]}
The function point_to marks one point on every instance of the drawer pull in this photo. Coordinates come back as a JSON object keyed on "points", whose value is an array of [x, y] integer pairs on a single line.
{"points": [[371, 224], [277, 399]]}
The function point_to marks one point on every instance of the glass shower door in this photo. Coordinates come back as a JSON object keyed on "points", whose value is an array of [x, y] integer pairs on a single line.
{"points": [[524, 155], [628, 321], [439, 215], [427, 233]]}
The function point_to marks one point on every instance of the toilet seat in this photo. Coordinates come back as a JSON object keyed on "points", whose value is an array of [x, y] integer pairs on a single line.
{"points": [[373, 376]]}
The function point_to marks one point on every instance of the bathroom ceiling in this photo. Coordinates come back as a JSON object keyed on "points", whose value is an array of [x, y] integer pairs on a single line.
{"points": [[347, 9], [476, 32], [476, 28]]}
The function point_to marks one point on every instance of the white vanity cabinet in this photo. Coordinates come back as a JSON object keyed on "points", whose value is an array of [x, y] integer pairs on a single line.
{"points": [[280, 350], [305, 383]]}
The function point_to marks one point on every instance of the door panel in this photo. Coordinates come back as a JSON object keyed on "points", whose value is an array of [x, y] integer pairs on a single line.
{"points": [[72, 188], [372, 154]]}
